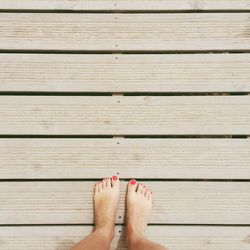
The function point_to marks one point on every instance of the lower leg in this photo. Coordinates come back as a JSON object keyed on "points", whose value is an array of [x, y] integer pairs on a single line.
{"points": [[106, 196], [141, 243], [139, 203], [100, 239]]}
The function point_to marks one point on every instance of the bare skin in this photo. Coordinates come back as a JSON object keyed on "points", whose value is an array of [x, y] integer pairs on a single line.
{"points": [[106, 198], [139, 205]]}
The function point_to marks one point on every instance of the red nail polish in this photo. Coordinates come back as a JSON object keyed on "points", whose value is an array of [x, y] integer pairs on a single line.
{"points": [[114, 178], [133, 182]]}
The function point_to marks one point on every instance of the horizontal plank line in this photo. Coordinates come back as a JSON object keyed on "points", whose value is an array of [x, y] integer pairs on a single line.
{"points": [[219, 51], [125, 180], [28, 93], [185, 93], [233, 136], [53, 93], [56, 136], [122, 224], [187, 136], [65, 11]]}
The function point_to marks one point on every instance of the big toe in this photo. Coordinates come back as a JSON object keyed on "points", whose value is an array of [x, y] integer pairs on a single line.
{"points": [[115, 181], [132, 185]]}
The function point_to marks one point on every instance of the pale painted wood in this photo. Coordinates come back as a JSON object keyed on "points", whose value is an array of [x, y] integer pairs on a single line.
{"points": [[173, 237], [140, 158], [117, 115], [56, 31], [125, 73], [174, 202], [126, 4]]}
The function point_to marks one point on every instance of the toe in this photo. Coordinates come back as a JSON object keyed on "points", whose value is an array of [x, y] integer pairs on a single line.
{"points": [[132, 185], [96, 188], [108, 183], [115, 181], [144, 191], [148, 194], [104, 183], [99, 184], [140, 189]]}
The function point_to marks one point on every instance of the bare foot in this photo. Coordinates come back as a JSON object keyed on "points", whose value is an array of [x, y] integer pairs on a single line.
{"points": [[106, 197], [139, 204]]}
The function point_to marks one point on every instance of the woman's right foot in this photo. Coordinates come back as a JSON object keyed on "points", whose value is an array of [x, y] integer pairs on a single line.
{"points": [[139, 204]]}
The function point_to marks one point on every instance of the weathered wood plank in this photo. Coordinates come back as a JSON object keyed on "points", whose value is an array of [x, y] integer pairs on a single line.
{"points": [[125, 73], [174, 202], [116, 115], [95, 158], [125, 5], [55, 31], [173, 237]]}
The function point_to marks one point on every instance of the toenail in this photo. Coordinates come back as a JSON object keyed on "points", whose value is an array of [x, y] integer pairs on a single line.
{"points": [[133, 182], [114, 178]]}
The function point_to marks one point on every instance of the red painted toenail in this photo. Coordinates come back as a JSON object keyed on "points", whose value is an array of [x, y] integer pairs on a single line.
{"points": [[133, 182], [114, 177]]}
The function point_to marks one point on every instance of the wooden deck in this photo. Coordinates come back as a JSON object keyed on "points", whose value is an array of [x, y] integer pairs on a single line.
{"points": [[153, 90]]}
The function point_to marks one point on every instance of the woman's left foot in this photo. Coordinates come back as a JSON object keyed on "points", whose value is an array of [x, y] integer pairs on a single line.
{"points": [[106, 198]]}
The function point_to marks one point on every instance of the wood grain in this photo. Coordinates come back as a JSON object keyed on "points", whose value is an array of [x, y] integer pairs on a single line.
{"points": [[124, 115], [173, 237], [174, 202], [138, 158], [153, 32], [125, 73], [125, 5]]}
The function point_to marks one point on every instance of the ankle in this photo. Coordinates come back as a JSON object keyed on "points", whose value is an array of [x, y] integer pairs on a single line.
{"points": [[107, 231], [133, 236]]}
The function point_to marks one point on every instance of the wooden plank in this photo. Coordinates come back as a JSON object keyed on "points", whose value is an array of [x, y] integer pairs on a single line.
{"points": [[125, 5], [158, 32], [140, 158], [173, 237], [174, 202], [125, 73], [117, 115]]}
